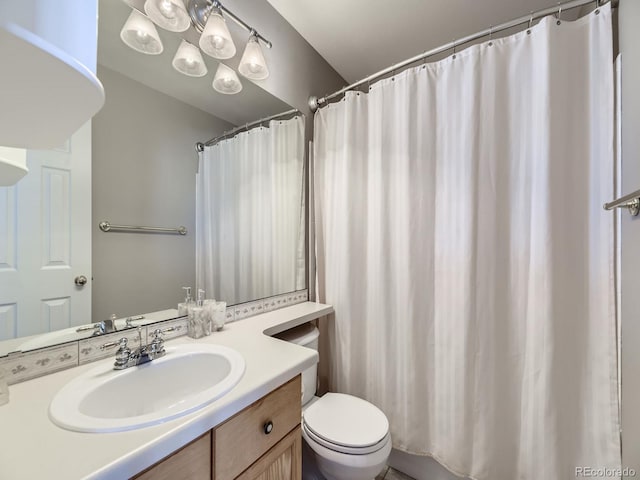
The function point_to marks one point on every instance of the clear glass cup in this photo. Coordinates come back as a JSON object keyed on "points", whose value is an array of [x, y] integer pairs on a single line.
{"points": [[219, 315]]}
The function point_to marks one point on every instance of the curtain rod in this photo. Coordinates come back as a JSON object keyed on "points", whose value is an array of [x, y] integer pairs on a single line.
{"points": [[315, 102], [200, 146]]}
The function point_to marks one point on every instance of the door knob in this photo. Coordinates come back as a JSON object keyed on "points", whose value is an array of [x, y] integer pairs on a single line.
{"points": [[80, 281]]}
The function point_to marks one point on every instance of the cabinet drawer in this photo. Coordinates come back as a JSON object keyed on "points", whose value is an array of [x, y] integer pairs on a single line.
{"points": [[241, 440]]}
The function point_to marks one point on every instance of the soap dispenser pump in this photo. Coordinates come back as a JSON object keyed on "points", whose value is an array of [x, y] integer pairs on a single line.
{"points": [[183, 308]]}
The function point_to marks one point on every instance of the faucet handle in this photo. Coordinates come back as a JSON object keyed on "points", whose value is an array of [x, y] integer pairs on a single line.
{"points": [[129, 321], [123, 353], [98, 328], [157, 343], [175, 328], [158, 332], [122, 343]]}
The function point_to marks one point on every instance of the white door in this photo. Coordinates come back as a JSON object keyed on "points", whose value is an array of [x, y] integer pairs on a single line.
{"points": [[45, 241]]}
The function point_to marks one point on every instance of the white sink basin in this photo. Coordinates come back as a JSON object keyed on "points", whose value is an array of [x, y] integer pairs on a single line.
{"points": [[187, 378]]}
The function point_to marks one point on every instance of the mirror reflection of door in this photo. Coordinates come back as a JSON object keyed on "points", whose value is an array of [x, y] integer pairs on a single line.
{"points": [[45, 241]]}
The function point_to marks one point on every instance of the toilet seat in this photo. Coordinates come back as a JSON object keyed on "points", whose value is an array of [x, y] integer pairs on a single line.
{"points": [[311, 436], [346, 424]]}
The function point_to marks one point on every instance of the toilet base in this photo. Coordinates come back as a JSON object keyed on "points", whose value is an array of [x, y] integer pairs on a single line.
{"points": [[339, 466], [309, 467]]}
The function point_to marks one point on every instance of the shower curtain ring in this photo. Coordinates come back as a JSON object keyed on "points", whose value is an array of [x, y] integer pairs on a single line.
{"points": [[490, 35], [454, 50], [530, 24], [559, 21], [597, 7]]}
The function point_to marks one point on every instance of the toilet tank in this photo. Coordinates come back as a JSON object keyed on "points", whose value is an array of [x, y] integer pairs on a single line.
{"points": [[306, 336]]}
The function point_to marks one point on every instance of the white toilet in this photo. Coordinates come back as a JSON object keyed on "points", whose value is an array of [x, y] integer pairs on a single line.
{"points": [[349, 436]]}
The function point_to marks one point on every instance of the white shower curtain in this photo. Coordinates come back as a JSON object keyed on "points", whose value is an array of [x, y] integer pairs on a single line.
{"points": [[462, 242], [249, 206]]}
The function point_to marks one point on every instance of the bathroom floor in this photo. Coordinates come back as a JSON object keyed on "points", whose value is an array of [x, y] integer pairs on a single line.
{"points": [[390, 474]]}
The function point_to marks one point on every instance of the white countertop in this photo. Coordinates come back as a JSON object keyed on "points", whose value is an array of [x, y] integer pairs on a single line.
{"points": [[31, 446]]}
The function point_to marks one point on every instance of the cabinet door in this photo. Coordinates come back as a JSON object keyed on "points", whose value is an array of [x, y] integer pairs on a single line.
{"points": [[192, 462], [244, 438], [282, 462]]}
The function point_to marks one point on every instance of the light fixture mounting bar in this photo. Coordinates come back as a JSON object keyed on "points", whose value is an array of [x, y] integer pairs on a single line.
{"points": [[199, 12]]}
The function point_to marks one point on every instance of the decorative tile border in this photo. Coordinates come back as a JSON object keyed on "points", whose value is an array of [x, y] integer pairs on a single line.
{"points": [[230, 315], [21, 366], [248, 309]]}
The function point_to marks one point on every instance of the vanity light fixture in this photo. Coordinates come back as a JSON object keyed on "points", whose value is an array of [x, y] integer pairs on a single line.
{"points": [[252, 65], [168, 14], [216, 39], [188, 60], [140, 34], [226, 81], [206, 17]]}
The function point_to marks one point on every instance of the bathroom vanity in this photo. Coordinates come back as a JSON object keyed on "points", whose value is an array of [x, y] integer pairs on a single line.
{"points": [[263, 441], [251, 432]]}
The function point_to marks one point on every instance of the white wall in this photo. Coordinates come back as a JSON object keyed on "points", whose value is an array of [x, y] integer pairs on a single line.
{"points": [[629, 37], [144, 167]]}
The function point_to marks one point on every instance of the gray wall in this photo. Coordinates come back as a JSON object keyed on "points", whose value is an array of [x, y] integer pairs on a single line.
{"points": [[144, 167], [296, 69], [629, 36]]}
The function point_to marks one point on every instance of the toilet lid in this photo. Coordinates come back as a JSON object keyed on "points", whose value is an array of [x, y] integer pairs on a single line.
{"points": [[346, 420]]}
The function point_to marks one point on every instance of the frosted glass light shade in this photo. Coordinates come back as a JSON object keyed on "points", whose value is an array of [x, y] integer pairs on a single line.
{"points": [[226, 81], [189, 61], [140, 34], [252, 65], [216, 40], [168, 14]]}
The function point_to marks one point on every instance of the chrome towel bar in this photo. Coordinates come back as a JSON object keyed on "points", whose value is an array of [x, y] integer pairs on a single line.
{"points": [[631, 201], [105, 226]]}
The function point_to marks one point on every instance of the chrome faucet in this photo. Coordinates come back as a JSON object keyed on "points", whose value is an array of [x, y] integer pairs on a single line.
{"points": [[110, 324], [125, 357], [100, 328]]}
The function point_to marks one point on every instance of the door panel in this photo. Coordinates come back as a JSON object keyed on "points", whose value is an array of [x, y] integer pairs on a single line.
{"points": [[45, 241]]}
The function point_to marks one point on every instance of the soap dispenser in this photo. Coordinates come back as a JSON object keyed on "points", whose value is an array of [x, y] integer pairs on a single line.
{"points": [[183, 308], [198, 318]]}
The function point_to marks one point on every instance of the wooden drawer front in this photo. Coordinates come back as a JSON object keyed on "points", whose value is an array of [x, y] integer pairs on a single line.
{"points": [[241, 440], [192, 462]]}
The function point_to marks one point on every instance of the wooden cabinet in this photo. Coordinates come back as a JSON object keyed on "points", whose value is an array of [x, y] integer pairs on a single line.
{"points": [[247, 436], [282, 462], [192, 461], [262, 442]]}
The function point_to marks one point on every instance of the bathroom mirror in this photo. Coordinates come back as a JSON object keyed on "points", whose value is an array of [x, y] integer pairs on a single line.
{"points": [[142, 173]]}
